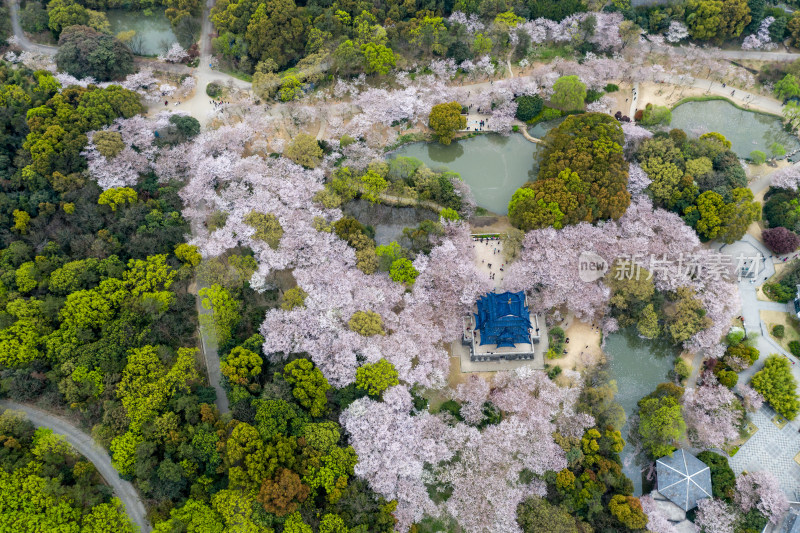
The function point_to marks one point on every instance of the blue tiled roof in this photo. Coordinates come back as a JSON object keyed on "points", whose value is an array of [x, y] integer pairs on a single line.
{"points": [[503, 319], [684, 479]]}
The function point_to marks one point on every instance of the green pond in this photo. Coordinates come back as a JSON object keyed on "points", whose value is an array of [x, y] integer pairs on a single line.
{"points": [[492, 165], [746, 130], [638, 365], [153, 33]]}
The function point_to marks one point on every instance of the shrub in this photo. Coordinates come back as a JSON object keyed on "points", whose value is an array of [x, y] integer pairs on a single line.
{"points": [[728, 378], [777, 385], [778, 292], [528, 106], [549, 113], [723, 480], [593, 96], [779, 331], [654, 115], [556, 337], [213, 89], [611, 88], [735, 336], [452, 407], [794, 347]]}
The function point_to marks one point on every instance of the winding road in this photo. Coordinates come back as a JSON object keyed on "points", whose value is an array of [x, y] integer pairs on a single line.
{"points": [[86, 446]]}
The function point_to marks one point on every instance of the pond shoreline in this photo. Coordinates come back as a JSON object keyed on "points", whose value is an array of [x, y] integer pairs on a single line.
{"points": [[690, 99]]}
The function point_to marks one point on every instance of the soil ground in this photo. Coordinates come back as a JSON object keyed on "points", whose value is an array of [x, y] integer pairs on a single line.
{"points": [[791, 327]]}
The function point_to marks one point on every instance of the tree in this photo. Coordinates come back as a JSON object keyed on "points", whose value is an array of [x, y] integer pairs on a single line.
{"points": [[780, 240], [573, 184], [794, 29], [537, 514], [241, 365], [777, 384], [275, 30], [224, 312], [660, 425], [305, 150], [569, 93], [366, 323], [290, 89], [379, 59], [376, 377], [757, 157], [403, 271], [188, 254], [84, 52], [294, 297], [716, 516], [761, 491], [717, 19], [268, 228], [117, 197], [787, 87], [282, 494], [723, 480], [713, 414], [528, 106], [445, 120], [628, 510], [310, 385]]}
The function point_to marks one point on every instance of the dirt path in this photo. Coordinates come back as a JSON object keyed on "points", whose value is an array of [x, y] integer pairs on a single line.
{"points": [[86, 446]]}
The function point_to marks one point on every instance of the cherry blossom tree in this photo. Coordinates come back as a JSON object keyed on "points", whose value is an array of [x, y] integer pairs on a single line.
{"points": [[393, 448], [760, 40], [657, 521], [175, 54], [643, 232], [715, 516], [677, 31], [751, 399], [787, 177], [638, 180], [712, 413], [760, 490], [481, 469], [473, 394]]}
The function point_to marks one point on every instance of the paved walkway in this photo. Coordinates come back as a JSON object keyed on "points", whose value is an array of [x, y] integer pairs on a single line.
{"points": [[86, 446], [211, 357], [772, 449]]}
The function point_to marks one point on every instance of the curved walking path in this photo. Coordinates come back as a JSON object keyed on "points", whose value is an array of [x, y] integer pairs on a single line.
{"points": [[24, 42], [524, 130], [86, 446]]}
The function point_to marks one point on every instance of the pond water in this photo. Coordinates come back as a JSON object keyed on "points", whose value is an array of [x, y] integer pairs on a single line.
{"points": [[492, 165], [153, 33], [387, 221], [746, 130], [638, 365]]}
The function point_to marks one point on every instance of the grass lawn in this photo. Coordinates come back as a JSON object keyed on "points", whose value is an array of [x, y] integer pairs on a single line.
{"points": [[790, 324]]}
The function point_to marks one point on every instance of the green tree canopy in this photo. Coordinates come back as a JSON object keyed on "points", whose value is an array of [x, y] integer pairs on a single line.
{"points": [[569, 93], [445, 120], [376, 377]]}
